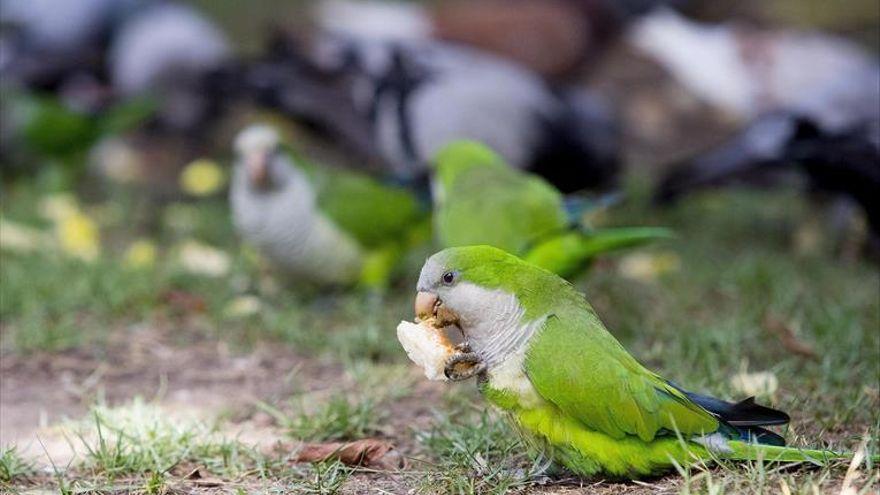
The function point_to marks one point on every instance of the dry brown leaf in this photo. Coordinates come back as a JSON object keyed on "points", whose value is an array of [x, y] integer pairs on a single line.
{"points": [[369, 452], [788, 338], [197, 478], [184, 302]]}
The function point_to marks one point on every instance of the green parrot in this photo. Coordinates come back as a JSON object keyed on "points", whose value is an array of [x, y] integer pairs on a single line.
{"points": [[543, 356], [49, 127], [478, 199], [323, 225]]}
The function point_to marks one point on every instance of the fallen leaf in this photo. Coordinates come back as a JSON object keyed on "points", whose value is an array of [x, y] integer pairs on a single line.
{"points": [[243, 306], [197, 478], [787, 337], [141, 253], [762, 383], [202, 177], [368, 452], [57, 207], [21, 238], [184, 302], [78, 236], [181, 218], [117, 160], [200, 259], [649, 266]]}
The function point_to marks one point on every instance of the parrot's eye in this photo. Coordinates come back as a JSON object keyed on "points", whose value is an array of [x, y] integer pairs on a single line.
{"points": [[448, 278]]}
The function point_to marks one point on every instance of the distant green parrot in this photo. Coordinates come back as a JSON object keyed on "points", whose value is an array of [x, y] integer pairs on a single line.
{"points": [[478, 199], [327, 226], [43, 126], [49, 127], [544, 357]]}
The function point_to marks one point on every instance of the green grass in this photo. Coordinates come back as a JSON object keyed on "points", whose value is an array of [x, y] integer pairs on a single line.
{"points": [[698, 325], [475, 452], [321, 478], [13, 466], [339, 418]]}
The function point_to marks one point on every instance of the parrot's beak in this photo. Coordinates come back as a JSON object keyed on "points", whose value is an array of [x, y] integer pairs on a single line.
{"points": [[464, 363], [429, 306], [425, 306], [257, 166]]}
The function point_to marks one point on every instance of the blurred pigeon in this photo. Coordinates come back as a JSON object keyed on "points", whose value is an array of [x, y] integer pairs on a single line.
{"points": [[322, 226], [811, 103], [169, 51], [777, 146], [44, 42], [749, 72], [554, 38], [413, 98]]}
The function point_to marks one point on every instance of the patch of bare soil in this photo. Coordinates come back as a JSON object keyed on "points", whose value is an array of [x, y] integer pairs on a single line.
{"points": [[205, 377]]}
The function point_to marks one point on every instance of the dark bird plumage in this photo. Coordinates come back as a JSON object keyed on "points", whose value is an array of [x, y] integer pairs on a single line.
{"points": [[746, 417], [782, 145], [407, 100]]}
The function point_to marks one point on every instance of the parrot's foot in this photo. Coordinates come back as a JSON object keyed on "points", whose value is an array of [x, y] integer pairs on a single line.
{"points": [[463, 364]]}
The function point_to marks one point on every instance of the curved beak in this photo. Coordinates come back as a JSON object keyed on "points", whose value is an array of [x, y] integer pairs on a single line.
{"points": [[257, 166], [425, 305]]}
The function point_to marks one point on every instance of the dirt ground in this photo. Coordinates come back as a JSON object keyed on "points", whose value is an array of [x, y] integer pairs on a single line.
{"points": [[41, 393]]}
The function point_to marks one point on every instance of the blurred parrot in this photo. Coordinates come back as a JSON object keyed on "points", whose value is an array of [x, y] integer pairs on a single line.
{"points": [[41, 126], [543, 357], [478, 199], [322, 226]]}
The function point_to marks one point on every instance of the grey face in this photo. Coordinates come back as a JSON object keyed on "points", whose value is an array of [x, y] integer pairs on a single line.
{"points": [[436, 281], [490, 320]]}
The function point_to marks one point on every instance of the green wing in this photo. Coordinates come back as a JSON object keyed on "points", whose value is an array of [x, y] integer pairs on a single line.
{"points": [[577, 365], [500, 207], [373, 213]]}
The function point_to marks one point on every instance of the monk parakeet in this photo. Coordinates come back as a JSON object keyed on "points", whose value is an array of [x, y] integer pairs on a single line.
{"points": [[325, 226], [543, 356], [478, 199]]}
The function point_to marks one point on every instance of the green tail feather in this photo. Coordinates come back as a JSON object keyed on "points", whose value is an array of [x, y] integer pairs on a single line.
{"points": [[611, 239], [745, 451], [567, 254]]}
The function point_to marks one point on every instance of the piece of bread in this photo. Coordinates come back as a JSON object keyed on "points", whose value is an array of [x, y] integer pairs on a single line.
{"points": [[427, 346]]}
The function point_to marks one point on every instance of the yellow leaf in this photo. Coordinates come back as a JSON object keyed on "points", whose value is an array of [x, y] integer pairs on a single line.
{"points": [[57, 207], [200, 259], [141, 253], [649, 266], [78, 236], [181, 218], [243, 306], [118, 160], [762, 383], [202, 177], [20, 238]]}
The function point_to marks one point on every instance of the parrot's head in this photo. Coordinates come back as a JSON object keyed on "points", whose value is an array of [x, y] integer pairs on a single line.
{"points": [[457, 157], [256, 147], [494, 298]]}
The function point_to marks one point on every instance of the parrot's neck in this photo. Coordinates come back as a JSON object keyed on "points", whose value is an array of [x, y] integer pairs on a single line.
{"points": [[497, 338]]}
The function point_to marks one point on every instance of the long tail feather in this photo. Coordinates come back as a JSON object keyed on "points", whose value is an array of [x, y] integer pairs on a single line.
{"points": [[747, 451], [613, 239]]}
